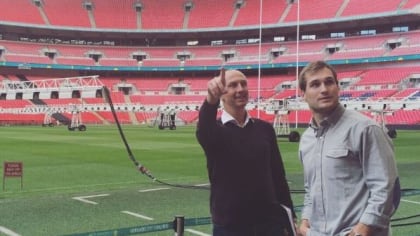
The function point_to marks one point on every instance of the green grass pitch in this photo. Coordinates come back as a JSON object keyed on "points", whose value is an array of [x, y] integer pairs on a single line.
{"points": [[64, 170]]}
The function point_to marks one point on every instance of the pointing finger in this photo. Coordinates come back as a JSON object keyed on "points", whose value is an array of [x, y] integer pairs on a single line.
{"points": [[222, 76]]}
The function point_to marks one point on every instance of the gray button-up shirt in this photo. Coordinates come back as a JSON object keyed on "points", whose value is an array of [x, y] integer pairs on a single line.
{"points": [[350, 174]]}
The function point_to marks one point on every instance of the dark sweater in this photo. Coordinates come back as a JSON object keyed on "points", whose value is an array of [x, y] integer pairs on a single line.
{"points": [[245, 170]]}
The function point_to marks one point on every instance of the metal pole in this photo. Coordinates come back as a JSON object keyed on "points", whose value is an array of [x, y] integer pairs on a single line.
{"points": [[297, 60], [259, 60], [179, 225]]}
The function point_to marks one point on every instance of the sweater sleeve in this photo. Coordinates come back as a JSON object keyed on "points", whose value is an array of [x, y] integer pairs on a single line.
{"points": [[206, 126], [380, 175]]}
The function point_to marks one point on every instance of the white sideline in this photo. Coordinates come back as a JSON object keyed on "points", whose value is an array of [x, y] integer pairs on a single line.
{"points": [[7, 231], [83, 198], [200, 185], [137, 215], [152, 189], [197, 232], [403, 200]]}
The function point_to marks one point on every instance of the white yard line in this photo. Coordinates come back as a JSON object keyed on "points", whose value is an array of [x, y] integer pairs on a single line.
{"points": [[78, 187], [197, 232], [403, 200], [137, 215], [84, 198], [7, 231], [153, 189]]}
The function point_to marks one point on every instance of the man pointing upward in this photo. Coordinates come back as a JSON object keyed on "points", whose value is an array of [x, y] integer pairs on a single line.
{"points": [[245, 169]]}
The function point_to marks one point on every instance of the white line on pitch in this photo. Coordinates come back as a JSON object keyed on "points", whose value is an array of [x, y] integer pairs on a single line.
{"points": [[403, 200], [84, 198], [152, 189], [137, 215], [197, 232], [206, 184], [8, 232]]}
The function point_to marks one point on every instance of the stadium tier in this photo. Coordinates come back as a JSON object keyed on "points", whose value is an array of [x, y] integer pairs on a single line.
{"points": [[150, 66], [326, 49], [179, 14], [158, 92]]}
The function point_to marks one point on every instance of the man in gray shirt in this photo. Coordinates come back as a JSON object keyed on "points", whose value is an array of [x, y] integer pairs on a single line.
{"points": [[350, 175]]}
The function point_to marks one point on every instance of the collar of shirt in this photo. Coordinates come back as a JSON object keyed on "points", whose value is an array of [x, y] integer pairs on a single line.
{"points": [[327, 121], [228, 118]]}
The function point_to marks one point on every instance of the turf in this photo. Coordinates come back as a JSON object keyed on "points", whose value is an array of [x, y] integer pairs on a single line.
{"points": [[60, 165]]}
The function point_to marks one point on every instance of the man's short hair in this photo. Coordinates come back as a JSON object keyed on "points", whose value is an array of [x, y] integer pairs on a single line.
{"points": [[314, 67]]}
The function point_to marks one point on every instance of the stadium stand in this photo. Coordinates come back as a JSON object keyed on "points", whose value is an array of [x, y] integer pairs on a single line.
{"points": [[124, 9], [347, 48], [374, 82], [14, 103], [360, 7], [54, 12], [211, 13], [313, 10], [385, 76], [22, 11], [407, 93], [246, 14], [410, 4], [171, 14], [75, 61]]}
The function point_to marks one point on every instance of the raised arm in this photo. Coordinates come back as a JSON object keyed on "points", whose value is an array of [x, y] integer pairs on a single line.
{"points": [[216, 88]]}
